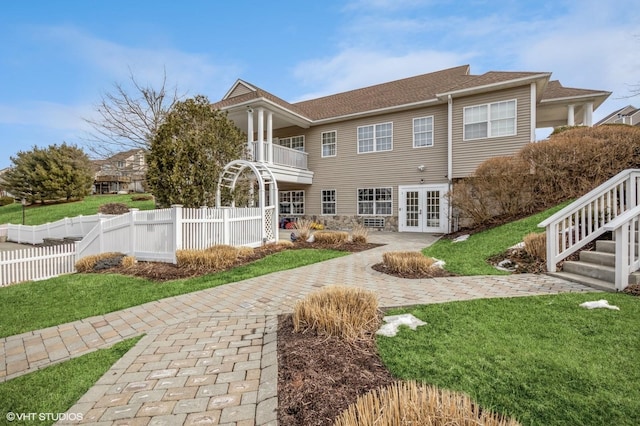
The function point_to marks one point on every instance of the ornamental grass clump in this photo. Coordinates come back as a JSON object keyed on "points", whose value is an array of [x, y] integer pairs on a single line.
{"points": [[214, 258], [303, 228], [359, 234], [407, 262], [535, 245], [412, 403], [331, 237], [349, 313]]}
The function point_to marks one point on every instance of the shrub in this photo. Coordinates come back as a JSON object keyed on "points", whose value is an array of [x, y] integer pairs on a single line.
{"points": [[285, 243], [411, 403], [99, 261], [567, 165], [535, 245], [215, 258], [359, 234], [406, 262], [331, 237], [113, 208], [346, 312], [142, 197], [303, 228], [6, 200], [244, 251]]}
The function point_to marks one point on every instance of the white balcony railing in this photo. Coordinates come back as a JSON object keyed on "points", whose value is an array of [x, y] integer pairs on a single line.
{"points": [[281, 155]]}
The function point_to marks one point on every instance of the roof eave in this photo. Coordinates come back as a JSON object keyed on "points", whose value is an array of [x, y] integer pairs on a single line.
{"points": [[495, 86], [596, 95], [292, 116]]}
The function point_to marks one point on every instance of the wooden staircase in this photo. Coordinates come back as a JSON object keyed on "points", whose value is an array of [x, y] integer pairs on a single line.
{"points": [[595, 268]]}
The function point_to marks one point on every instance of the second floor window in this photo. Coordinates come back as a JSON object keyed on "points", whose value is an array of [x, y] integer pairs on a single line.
{"points": [[490, 120], [374, 138], [422, 132], [329, 144], [294, 142]]}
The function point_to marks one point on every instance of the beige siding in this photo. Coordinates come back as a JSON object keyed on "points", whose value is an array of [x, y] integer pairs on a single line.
{"points": [[467, 155], [348, 170], [240, 89]]}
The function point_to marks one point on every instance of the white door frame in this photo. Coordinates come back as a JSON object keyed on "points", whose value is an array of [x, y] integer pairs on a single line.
{"points": [[415, 208]]}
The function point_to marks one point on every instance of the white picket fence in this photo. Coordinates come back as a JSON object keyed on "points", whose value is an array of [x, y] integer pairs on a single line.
{"points": [[37, 263], [149, 235]]}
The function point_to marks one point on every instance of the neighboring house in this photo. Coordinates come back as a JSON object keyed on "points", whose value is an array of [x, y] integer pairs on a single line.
{"points": [[3, 191], [627, 115], [124, 171], [386, 155]]}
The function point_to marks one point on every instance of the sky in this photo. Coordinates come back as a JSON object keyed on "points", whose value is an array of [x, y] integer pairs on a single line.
{"points": [[58, 58]]}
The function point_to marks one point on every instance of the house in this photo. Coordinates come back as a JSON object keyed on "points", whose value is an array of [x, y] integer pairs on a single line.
{"points": [[124, 171], [386, 155], [626, 115]]}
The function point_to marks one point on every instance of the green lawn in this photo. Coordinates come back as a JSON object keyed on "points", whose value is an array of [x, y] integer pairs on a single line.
{"points": [[41, 304], [470, 257], [543, 360], [56, 388], [38, 214]]}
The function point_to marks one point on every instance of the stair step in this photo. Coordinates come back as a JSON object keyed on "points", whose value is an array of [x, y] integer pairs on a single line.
{"points": [[588, 281], [598, 258], [592, 270], [606, 246]]}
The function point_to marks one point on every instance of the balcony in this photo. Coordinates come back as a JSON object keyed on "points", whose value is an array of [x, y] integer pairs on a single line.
{"points": [[281, 156], [287, 165]]}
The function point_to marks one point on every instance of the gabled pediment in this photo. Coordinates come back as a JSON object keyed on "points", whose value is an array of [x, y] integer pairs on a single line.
{"points": [[239, 88]]}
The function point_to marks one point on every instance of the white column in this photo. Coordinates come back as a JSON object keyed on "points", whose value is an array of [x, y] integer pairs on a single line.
{"points": [[250, 133], [260, 134], [587, 119], [571, 119], [534, 118], [269, 137]]}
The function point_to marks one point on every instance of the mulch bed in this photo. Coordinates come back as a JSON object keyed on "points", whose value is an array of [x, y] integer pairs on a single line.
{"points": [[319, 377], [432, 273]]}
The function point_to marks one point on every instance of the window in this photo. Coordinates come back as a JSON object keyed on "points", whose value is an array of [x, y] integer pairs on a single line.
{"points": [[291, 202], [329, 201], [490, 120], [377, 137], [422, 132], [375, 201], [294, 142], [329, 144]]}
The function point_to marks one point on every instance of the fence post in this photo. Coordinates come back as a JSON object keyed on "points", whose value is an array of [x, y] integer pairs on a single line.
{"points": [[176, 220], [132, 231], [226, 227], [552, 246], [622, 256]]}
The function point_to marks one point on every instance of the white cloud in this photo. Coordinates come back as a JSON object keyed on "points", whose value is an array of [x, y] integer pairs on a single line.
{"points": [[356, 68]]}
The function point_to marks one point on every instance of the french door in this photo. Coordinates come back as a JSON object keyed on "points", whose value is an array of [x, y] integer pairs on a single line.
{"points": [[423, 208]]}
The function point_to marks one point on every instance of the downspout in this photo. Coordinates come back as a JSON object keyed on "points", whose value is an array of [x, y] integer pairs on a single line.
{"points": [[450, 154]]}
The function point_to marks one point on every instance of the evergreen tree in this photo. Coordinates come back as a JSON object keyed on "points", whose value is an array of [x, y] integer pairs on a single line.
{"points": [[189, 152], [50, 173]]}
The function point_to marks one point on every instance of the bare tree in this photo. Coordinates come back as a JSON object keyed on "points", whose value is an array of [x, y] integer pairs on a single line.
{"points": [[130, 120]]}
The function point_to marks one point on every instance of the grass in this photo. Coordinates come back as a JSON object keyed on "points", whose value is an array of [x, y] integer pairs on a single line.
{"points": [[470, 257], [41, 304], [542, 360], [56, 388], [38, 214]]}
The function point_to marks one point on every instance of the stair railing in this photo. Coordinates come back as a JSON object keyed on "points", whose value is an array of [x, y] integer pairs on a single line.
{"points": [[625, 233], [587, 218]]}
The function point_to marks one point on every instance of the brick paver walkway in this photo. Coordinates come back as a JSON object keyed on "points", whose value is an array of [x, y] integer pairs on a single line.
{"points": [[209, 357]]}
